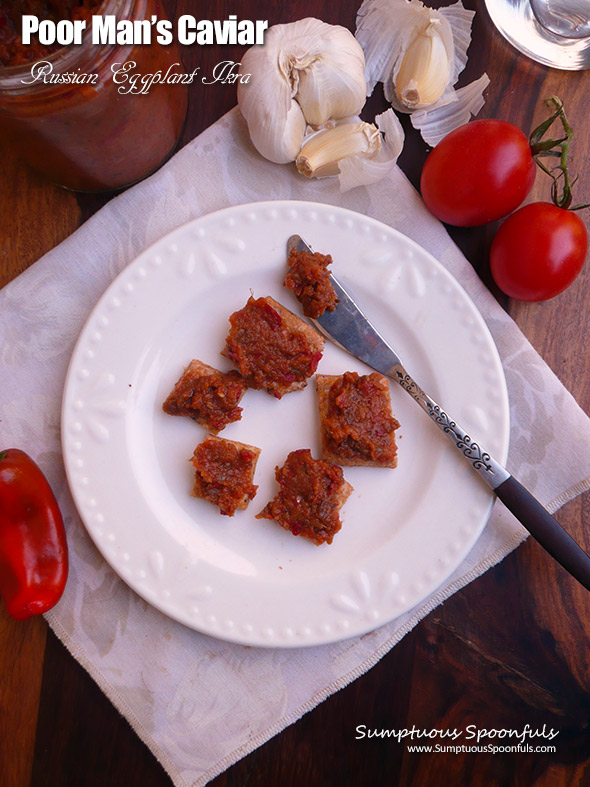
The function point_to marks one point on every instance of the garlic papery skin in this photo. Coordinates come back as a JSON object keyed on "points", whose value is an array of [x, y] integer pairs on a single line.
{"points": [[425, 69], [361, 171], [435, 124], [307, 73], [321, 154]]}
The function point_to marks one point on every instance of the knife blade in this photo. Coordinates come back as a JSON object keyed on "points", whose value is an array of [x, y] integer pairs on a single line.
{"points": [[351, 330]]}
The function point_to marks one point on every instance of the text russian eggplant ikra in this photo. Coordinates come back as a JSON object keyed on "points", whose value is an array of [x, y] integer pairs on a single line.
{"points": [[130, 81]]}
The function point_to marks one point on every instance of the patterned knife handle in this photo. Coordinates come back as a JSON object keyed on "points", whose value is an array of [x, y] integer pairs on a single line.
{"points": [[537, 520], [491, 471]]}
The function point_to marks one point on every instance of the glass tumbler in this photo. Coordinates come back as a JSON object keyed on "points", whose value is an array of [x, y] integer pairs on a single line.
{"points": [[553, 32]]}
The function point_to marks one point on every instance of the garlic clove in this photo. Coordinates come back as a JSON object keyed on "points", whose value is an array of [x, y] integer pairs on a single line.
{"points": [[434, 124], [406, 45], [401, 36], [386, 28], [306, 73], [321, 154], [424, 70], [427, 35], [359, 153]]}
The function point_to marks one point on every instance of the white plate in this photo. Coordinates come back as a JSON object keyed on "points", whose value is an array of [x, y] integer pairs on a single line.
{"points": [[247, 580]]}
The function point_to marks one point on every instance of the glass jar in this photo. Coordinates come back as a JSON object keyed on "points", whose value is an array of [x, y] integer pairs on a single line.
{"points": [[92, 137]]}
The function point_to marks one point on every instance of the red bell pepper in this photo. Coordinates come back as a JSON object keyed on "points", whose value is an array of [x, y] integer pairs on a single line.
{"points": [[33, 547]]}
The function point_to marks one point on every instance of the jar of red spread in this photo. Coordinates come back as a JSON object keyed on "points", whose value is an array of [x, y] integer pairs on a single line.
{"points": [[90, 133]]}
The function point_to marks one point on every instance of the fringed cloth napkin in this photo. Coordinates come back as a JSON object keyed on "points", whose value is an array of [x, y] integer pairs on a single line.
{"points": [[199, 703]]}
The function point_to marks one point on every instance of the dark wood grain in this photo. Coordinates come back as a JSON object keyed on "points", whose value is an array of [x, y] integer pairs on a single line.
{"points": [[34, 215], [21, 669], [510, 649]]}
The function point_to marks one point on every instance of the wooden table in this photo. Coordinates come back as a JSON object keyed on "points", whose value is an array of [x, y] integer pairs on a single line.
{"points": [[510, 649]]}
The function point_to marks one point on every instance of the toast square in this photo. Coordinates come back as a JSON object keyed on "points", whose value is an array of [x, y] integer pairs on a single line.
{"points": [[357, 428], [224, 473], [208, 396], [272, 348], [311, 494]]}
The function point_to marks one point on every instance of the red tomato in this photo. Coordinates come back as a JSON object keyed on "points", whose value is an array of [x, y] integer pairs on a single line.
{"points": [[538, 251], [478, 173]]}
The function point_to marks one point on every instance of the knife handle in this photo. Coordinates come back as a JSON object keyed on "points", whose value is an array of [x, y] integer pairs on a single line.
{"points": [[488, 468], [545, 529], [525, 507]]}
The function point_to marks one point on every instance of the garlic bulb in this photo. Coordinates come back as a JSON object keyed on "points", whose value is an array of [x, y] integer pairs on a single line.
{"points": [[418, 54], [307, 73], [359, 153]]}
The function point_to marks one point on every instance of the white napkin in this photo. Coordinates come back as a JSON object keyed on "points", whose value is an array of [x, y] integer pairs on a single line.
{"points": [[201, 704]]}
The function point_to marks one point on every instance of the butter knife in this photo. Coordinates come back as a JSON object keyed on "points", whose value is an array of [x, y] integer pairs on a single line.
{"points": [[350, 329]]}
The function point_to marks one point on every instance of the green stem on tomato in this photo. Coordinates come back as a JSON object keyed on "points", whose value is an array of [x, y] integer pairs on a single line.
{"points": [[555, 148]]}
